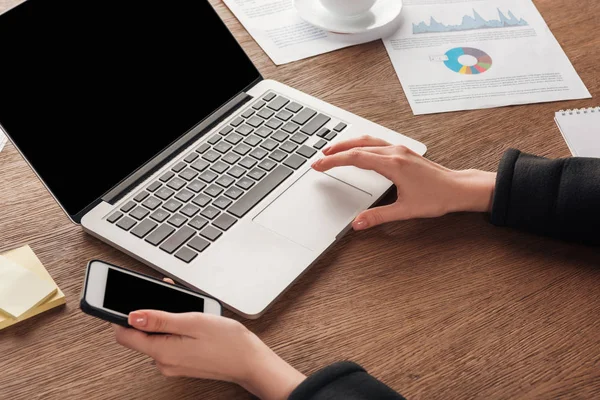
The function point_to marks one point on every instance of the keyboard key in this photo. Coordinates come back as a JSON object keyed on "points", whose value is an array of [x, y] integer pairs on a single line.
{"points": [[225, 130], [248, 113], [299, 138], [256, 174], [153, 186], [159, 215], [225, 181], [323, 132], [211, 156], [265, 113], [242, 149], [176, 183], [269, 145], [196, 186], [203, 148], [177, 220], [244, 130], [294, 107], [237, 121], [263, 132], [200, 165], [306, 151], [274, 123], [141, 196], [303, 116], [177, 240], [269, 96], [233, 138], [340, 127], [152, 203], [224, 222], [210, 212], [178, 167], [191, 157], [259, 153], [214, 139], [184, 195], [320, 144], [280, 136], [188, 174], [288, 147], [160, 234], [331, 135], [234, 192], [315, 124], [245, 183], [290, 127], [198, 244], [219, 167], [252, 140], [189, 210], [267, 164], [278, 103], [258, 105], [278, 155], [114, 217], [260, 191], [213, 190], [223, 147], [126, 223], [208, 176], [128, 206], [139, 213], [255, 122], [198, 223], [247, 163], [294, 161], [236, 172], [230, 158], [211, 233], [186, 255], [222, 202], [166, 176], [144, 228], [284, 115], [172, 205]]}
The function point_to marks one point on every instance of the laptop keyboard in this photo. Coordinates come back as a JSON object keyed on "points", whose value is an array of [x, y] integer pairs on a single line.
{"points": [[207, 191]]}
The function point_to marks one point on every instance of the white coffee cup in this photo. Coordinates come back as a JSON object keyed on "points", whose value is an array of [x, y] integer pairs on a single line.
{"points": [[348, 8]]}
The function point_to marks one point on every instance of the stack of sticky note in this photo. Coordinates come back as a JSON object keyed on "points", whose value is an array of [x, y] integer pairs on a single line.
{"points": [[26, 288]]}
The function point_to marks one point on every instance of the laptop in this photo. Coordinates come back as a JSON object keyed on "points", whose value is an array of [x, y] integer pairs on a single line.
{"points": [[152, 129]]}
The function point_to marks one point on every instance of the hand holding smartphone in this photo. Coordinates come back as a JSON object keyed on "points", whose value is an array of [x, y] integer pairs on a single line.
{"points": [[111, 293]]}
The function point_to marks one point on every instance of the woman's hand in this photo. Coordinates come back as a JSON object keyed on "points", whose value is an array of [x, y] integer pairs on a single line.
{"points": [[210, 347], [425, 189]]}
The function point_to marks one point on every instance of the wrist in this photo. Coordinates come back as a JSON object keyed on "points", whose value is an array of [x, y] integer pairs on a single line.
{"points": [[269, 377], [475, 190]]}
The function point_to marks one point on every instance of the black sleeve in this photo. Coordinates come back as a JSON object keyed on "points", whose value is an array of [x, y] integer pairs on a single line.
{"points": [[343, 381], [559, 198]]}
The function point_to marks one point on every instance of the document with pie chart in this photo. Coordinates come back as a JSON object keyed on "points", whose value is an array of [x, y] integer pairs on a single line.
{"points": [[453, 55]]}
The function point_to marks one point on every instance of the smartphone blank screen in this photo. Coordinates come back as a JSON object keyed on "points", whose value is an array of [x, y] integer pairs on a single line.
{"points": [[126, 293]]}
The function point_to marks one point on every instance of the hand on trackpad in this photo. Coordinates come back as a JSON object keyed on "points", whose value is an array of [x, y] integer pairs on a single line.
{"points": [[314, 210]]}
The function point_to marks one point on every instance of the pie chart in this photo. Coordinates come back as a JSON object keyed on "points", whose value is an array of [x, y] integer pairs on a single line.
{"points": [[484, 61]]}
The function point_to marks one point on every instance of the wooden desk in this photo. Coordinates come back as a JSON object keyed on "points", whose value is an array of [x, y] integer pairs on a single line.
{"points": [[447, 308]]}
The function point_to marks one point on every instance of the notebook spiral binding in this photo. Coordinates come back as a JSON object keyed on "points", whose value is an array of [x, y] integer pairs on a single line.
{"points": [[575, 111]]}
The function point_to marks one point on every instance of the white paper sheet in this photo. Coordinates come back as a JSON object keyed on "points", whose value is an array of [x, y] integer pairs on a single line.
{"points": [[283, 35], [516, 58]]}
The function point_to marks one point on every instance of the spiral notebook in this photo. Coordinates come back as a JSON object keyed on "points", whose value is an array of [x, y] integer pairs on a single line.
{"points": [[581, 130]]}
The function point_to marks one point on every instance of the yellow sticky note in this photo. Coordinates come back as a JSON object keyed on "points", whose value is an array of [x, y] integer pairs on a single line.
{"points": [[20, 289], [26, 258]]}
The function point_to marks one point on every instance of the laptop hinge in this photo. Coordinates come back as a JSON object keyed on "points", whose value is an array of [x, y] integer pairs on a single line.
{"points": [[133, 180]]}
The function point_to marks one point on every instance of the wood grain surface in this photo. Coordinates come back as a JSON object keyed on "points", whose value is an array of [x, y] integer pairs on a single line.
{"points": [[450, 308]]}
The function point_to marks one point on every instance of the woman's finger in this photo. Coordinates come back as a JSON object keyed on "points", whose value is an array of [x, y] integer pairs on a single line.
{"points": [[363, 141], [356, 158], [169, 280], [183, 324]]}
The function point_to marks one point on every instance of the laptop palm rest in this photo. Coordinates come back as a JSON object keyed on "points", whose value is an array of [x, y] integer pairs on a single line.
{"points": [[314, 210]]}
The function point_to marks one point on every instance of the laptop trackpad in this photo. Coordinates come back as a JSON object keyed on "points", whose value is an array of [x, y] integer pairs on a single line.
{"points": [[314, 210]]}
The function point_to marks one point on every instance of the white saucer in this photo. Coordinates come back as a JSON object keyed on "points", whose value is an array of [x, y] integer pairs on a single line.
{"points": [[381, 14]]}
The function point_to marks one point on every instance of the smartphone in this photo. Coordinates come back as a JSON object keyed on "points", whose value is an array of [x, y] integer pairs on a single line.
{"points": [[111, 293]]}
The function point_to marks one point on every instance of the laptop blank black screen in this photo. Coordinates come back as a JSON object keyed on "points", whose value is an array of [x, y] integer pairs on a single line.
{"points": [[91, 90]]}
